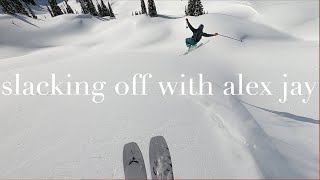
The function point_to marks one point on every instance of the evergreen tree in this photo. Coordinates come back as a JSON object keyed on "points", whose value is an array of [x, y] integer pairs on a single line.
{"points": [[19, 7], [101, 13], [143, 7], [111, 11], [92, 8], [152, 8], [190, 8], [69, 9], [195, 8], [84, 8], [198, 8], [104, 8], [56, 11], [31, 12], [88, 7], [7, 7]]}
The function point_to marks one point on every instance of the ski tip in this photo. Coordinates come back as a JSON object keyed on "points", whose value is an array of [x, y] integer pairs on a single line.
{"points": [[130, 144], [160, 159], [133, 162], [157, 137]]}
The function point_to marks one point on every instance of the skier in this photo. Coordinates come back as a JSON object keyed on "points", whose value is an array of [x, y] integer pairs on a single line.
{"points": [[197, 35]]}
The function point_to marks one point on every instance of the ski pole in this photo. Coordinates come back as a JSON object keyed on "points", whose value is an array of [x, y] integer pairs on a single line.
{"points": [[230, 37]]}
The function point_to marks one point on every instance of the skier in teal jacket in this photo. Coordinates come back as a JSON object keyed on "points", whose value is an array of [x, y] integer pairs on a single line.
{"points": [[197, 35]]}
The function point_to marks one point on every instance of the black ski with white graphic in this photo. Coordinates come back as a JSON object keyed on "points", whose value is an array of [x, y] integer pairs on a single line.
{"points": [[192, 49], [160, 159], [133, 163]]}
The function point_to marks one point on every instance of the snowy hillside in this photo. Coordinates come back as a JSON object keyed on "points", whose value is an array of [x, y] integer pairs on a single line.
{"points": [[209, 136]]}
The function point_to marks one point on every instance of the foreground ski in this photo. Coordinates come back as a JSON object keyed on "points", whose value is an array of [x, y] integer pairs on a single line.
{"points": [[133, 163], [160, 159], [189, 51]]}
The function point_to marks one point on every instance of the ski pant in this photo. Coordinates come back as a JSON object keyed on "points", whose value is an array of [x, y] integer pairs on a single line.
{"points": [[190, 42]]}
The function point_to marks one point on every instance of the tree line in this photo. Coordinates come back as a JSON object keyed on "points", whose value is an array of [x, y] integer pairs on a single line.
{"points": [[194, 8], [87, 7], [151, 8]]}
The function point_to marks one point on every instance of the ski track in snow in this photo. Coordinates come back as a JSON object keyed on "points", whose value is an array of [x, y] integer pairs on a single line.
{"points": [[208, 136]]}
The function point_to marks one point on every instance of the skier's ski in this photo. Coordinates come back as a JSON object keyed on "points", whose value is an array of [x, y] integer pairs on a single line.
{"points": [[133, 163], [160, 159], [189, 51]]}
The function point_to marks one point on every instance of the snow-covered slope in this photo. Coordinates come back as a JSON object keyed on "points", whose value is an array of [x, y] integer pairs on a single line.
{"points": [[209, 136]]}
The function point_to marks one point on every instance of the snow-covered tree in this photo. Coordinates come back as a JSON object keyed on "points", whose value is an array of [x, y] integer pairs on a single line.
{"points": [[104, 9], [7, 7], [84, 8], [194, 8], [92, 8], [99, 9], [111, 11], [68, 7], [19, 7], [198, 8], [190, 8], [143, 7], [152, 8], [56, 11], [88, 7]]}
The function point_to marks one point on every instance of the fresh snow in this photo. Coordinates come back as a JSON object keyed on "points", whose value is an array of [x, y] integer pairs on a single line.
{"points": [[208, 136]]}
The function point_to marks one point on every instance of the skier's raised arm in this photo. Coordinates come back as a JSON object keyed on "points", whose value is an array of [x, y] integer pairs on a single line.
{"points": [[190, 26], [210, 35]]}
